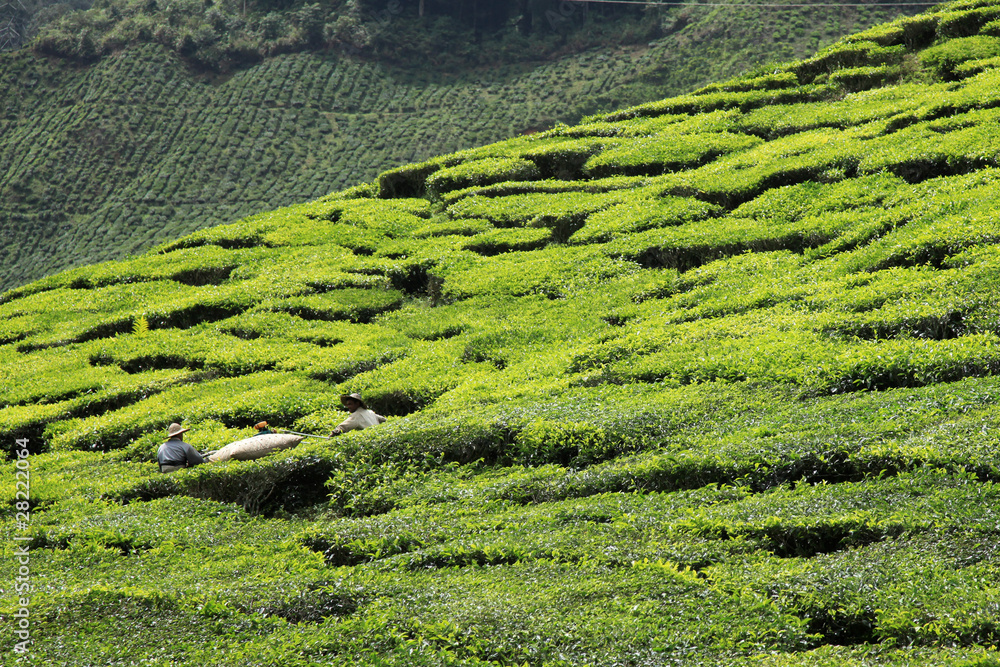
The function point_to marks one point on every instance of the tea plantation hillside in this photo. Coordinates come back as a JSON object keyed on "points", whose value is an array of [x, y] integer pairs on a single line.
{"points": [[133, 144], [710, 380]]}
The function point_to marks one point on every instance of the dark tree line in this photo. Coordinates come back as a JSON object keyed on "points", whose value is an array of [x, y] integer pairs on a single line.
{"points": [[528, 16], [491, 15], [21, 19], [226, 34]]}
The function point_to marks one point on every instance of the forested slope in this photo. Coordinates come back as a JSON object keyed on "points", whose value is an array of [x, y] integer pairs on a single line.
{"points": [[117, 142], [710, 380]]}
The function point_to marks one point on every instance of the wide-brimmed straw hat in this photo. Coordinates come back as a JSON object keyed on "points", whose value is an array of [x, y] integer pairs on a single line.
{"points": [[356, 397], [175, 429]]}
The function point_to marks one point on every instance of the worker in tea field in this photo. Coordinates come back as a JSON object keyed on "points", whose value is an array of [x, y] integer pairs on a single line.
{"points": [[263, 428], [175, 454], [360, 418]]}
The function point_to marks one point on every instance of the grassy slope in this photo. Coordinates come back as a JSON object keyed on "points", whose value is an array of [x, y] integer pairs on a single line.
{"points": [[106, 160], [710, 380]]}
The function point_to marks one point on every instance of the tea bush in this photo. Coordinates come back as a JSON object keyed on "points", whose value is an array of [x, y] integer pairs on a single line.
{"points": [[640, 215], [743, 101], [944, 58], [820, 155], [355, 305], [498, 241], [564, 160], [542, 272], [664, 153], [597, 185], [864, 78], [767, 82], [854, 109], [848, 55], [966, 23], [481, 172], [520, 209], [458, 227]]}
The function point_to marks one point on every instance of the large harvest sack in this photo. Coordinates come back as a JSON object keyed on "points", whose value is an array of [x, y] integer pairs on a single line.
{"points": [[256, 447]]}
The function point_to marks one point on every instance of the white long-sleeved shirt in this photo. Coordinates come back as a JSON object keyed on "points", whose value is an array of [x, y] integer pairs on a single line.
{"points": [[360, 419]]}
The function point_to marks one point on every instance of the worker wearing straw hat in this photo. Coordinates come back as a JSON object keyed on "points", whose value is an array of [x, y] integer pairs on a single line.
{"points": [[360, 418], [175, 454]]}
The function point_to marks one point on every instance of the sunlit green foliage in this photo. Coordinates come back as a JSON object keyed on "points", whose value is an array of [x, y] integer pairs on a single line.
{"points": [[743, 412], [641, 214], [667, 152], [481, 172]]}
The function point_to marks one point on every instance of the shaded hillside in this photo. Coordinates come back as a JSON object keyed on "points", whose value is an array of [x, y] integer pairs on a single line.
{"points": [[710, 380], [103, 159]]}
